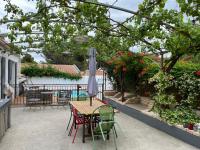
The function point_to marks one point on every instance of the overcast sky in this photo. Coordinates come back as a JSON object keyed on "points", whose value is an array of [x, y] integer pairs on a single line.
{"points": [[115, 14]]}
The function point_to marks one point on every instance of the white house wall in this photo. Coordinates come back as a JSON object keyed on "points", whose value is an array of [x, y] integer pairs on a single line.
{"points": [[58, 81], [15, 59]]}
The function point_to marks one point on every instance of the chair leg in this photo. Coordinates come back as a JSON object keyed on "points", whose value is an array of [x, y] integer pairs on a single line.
{"points": [[69, 121], [107, 135], [114, 138], [75, 125], [75, 133], [71, 129], [115, 132], [91, 126], [102, 132]]}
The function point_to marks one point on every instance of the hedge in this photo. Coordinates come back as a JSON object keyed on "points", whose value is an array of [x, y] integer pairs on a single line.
{"points": [[36, 71]]}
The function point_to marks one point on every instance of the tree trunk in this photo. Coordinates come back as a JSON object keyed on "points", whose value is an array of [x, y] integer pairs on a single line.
{"points": [[162, 62], [122, 85], [172, 62]]}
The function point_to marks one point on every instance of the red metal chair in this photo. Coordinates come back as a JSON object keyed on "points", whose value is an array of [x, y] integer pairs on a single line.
{"points": [[77, 120]]}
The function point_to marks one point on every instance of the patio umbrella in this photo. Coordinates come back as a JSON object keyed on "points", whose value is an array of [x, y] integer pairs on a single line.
{"points": [[92, 83]]}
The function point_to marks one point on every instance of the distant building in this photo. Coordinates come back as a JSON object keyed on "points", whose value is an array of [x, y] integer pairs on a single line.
{"points": [[10, 69], [71, 69]]}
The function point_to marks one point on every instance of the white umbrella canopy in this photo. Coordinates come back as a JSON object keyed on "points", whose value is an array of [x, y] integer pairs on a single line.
{"points": [[92, 83]]}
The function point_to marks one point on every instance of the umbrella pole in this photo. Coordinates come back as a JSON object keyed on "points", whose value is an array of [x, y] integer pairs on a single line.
{"points": [[90, 101]]}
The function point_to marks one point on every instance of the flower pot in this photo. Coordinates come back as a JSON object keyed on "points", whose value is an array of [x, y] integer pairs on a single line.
{"points": [[190, 126]]}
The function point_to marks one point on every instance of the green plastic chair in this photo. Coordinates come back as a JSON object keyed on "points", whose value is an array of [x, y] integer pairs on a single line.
{"points": [[105, 123]]}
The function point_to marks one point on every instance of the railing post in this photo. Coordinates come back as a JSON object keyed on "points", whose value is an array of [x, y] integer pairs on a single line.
{"points": [[23, 94], [78, 86], [102, 91], [105, 81]]}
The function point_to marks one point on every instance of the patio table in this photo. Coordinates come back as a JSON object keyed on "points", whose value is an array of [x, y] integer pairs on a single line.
{"points": [[84, 108]]}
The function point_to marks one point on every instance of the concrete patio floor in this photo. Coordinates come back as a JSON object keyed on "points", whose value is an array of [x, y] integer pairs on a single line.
{"points": [[44, 129]]}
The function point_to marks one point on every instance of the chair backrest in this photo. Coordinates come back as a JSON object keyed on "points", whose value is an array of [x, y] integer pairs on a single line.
{"points": [[106, 118], [33, 94], [106, 113], [75, 113], [64, 94]]}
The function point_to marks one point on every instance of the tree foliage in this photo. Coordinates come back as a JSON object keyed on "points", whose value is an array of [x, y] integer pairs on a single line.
{"points": [[153, 28], [27, 58], [126, 66]]}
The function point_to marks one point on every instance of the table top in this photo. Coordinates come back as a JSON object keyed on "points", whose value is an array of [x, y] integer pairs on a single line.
{"points": [[84, 106]]}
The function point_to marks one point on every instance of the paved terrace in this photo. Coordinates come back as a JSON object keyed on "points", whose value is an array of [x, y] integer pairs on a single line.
{"points": [[44, 129]]}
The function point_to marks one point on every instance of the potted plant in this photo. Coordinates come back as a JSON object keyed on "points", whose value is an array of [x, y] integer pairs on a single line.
{"points": [[190, 126]]}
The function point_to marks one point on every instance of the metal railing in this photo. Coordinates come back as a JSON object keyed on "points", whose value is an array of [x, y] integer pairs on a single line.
{"points": [[51, 94]]}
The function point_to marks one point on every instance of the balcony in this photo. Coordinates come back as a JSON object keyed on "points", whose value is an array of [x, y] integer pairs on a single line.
{"points": [[50, 94]]}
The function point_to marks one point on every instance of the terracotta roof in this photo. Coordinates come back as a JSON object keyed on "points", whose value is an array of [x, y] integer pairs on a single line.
{"points": [[71, 69], [99, 72]]}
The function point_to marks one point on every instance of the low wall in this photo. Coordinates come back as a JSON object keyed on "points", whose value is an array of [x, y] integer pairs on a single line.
{"points": [[4, 116]]}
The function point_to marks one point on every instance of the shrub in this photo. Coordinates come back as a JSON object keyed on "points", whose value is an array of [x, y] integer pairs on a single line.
{"points": [[152, 67], [130, 65], [166, 104], [183, 67], [188, 88], [180, 115], [35, 71]]}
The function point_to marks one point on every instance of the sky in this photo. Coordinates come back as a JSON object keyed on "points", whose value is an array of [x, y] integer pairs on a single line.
{"points": [[115, 14]]}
